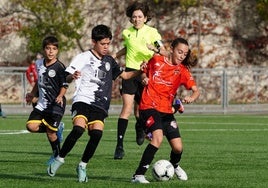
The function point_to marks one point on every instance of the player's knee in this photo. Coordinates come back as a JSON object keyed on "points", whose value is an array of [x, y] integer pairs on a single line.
{"points": [[32, 127], [77, 132], [178, 150], [95, 134]]}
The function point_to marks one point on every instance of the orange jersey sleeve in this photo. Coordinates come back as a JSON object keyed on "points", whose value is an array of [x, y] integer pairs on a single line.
{"points": [[187, 79]]}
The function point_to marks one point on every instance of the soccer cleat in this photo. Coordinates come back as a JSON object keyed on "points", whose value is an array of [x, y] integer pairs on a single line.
{"points": [[181, 109], [60, 132], [50, 160], [139, 134], [181, 174], [81, 174], [149, 136], [178, 106], [139, 179], [119, 152], [53, 167]]}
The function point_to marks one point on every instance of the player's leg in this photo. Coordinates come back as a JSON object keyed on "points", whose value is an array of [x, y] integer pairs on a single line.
{"points": [[175, 141], [79, 125], [67, 146], [154, 126], [140, 135], [122, 124], [54, 143], [52, 122], [148, 156], [95, 134], [60, 131], [34, 123]]}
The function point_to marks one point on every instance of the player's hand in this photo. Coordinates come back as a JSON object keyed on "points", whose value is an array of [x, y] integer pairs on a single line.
{"points": [[29, 97], [178, 106], [59, 100], [188, 100], [145, 81], [150, 47], [76, 75], [143, 66]]}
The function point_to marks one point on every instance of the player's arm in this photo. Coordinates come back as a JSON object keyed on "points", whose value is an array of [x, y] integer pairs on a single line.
{"points": [[144, 79], [131, 74], [32, 94], [74, 76], [59, 98], [158, 48], [120, 53], [195, 94]]}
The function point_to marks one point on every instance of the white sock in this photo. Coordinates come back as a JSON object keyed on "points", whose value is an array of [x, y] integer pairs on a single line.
{"points": [[83, 164], [60, 159]]}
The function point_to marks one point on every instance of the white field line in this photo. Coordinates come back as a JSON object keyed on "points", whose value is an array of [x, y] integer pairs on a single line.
{"points": [[16, 132], [3, 132], [108, 127]]}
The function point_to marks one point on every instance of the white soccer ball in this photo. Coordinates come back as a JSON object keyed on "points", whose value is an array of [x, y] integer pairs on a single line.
{"points": [[163, 170]]}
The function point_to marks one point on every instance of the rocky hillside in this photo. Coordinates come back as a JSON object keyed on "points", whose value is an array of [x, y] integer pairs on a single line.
{"points": [[223, 33]]}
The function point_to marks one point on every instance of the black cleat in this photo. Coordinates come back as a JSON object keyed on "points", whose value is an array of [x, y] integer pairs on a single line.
{"points": [[140, 135], [119, 152]]}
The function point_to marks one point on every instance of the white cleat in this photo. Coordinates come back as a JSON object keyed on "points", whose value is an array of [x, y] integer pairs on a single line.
{"points": [[53, 167], [139, 179], [181, 174], [81, 174]]}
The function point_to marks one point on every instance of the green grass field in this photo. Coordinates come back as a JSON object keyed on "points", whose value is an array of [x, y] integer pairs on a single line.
{"points": [[219, 151]]}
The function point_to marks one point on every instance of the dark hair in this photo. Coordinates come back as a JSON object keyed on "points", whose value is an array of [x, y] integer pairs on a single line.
{"points": [[100, 32], [191, 59], [139, 6], [50, 40]]}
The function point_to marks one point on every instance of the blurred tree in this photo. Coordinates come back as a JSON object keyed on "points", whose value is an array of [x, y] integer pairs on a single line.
{"points": [[40, 18], [262, 8]]}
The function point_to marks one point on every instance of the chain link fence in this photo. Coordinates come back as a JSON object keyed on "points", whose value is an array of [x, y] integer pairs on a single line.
{"points": [[222, 90]]}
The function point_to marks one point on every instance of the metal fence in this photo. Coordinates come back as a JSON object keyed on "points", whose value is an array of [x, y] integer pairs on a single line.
{"points": [[222, 90]]}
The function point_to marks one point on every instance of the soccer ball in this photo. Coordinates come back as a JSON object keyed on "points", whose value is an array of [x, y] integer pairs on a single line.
{"points": [[163, 170]]}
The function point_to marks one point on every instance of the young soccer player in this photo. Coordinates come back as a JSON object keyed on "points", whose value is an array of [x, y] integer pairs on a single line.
{"points": [[136, 38], [94, 72], [162, 77], [51, 88]]}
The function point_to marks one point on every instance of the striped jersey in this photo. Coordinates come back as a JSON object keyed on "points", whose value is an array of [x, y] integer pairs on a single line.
{"points": [[94, 87], [50, 81]]}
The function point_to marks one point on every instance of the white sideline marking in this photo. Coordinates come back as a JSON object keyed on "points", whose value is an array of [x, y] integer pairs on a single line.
{"points": [[221, 130], [10, 132], [2, 132], [210, 130]]}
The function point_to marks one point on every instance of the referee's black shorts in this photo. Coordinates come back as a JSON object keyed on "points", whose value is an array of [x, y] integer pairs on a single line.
{"points": [[132, 86]]}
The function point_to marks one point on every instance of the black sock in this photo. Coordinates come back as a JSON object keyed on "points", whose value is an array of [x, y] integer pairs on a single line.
{"points": [[146, 160], [95, 137], [70, 140], [175, 158], [55, 147], [121, 130]]}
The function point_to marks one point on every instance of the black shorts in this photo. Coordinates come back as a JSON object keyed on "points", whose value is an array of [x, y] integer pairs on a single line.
{"points": [[152, 120], [50, 120], [89, 112], [133, 86]]}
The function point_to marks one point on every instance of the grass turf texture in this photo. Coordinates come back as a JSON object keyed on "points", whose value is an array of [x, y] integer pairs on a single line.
{"points": [[219, 151]]}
